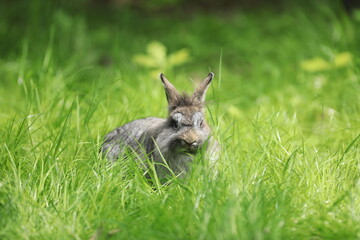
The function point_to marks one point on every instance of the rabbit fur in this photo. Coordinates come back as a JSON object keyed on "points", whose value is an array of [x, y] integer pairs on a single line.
{"points": [[175, 139]]}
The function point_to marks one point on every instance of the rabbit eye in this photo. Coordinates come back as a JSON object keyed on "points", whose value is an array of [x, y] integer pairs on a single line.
{"points": [[175, 125], [202, 124]]}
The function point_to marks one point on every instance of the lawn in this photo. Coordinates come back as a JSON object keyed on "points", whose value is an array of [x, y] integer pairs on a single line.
{"points": [[284, 105]]}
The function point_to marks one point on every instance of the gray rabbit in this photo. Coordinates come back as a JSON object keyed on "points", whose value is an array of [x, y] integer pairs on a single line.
{"points": [[174, 140]]}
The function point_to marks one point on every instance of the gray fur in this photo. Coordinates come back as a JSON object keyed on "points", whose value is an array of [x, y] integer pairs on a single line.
{"points": [[174, 140]]}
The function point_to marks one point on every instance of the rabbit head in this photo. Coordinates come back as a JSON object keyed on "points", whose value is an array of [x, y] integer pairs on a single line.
{"points": [[186, 128]]}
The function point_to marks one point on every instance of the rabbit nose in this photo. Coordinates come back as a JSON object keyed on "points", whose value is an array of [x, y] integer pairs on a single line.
{"points": [[190, 143]]}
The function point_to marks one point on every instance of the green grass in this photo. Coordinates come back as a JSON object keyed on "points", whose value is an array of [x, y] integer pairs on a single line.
{"points": [[289, 167]]}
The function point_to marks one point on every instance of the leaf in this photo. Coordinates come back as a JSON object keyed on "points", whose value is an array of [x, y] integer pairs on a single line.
{"points": [[179, 57], [343, 59], [315, 64], [157, 51], [156, 57], [144, 60], [319, 64]]}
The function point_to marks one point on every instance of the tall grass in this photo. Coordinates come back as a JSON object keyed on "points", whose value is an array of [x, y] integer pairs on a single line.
{"points": [[289, 164]]}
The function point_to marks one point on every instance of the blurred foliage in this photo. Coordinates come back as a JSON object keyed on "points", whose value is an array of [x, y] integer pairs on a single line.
{"points": [[319, 64], [203, 4], [157, 59]]}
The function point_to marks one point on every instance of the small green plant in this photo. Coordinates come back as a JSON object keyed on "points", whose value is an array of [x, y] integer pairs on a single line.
{"points": [[317, 64], [157, 60]]}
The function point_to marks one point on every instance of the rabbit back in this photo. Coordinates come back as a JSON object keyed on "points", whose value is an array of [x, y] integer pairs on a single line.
{"points": [[131, 135]]}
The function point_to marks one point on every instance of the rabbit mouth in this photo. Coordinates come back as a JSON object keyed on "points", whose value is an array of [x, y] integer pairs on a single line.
{"points": [[188, 148]]}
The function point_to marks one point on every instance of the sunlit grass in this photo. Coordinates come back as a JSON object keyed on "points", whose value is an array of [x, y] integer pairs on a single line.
{"points": [[289, 166]]}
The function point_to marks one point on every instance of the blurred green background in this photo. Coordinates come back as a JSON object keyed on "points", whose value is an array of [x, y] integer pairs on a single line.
{"points": [[285, 106], [259, 45]]}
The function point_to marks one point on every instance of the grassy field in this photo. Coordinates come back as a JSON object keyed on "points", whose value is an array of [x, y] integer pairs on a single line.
{"points": [[285, 106]]}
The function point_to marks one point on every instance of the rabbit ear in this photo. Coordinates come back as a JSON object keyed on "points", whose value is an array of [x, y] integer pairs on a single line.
{"points": [[200, 91], [172, 94]]}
